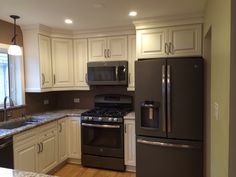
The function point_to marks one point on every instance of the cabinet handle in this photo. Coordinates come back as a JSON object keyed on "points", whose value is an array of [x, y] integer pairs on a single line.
{"points": [[109, 53], [60, 130], [86, 77], [105, 53], [166, 48], [39, 148], [54, 78], [170, 51], [43, 79], [129, 78], [125, 128]]}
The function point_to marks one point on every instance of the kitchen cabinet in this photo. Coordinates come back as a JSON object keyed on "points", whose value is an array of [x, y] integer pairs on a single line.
{"points": [[47, 158], [62, 140], [131, 61], [36, 150], [80, 63], [130, 146], [176, 41], [107, 48], [62, 61], [74, 138], [26, 151], [38, 62]]}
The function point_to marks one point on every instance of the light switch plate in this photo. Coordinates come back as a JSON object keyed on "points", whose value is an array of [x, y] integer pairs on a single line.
{"points": [[76, 100], [45, 101], [216, 111]]}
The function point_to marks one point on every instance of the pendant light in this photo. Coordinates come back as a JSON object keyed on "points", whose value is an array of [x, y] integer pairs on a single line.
{"points": [[14, 49]]}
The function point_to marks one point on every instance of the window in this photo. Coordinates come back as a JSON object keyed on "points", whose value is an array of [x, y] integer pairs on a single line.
{"points": [[11, 77]]}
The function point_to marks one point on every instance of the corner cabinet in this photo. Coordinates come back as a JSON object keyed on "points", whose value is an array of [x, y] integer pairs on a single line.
{"points": [[38, 62], [130, 146], [62, 62], [107, 48], [176, 41], [80, 63]]}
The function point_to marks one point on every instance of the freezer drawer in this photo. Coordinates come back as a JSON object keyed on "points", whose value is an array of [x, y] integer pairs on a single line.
{"points": [[168, 158]]}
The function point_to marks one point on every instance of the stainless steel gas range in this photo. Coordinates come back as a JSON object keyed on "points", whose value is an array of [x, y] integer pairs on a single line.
{"points": [[103, 132]]}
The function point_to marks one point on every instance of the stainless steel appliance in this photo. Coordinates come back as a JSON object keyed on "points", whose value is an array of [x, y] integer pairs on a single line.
{"points": [[103, 132], [169, 117], [108, 73], [6, 153]]}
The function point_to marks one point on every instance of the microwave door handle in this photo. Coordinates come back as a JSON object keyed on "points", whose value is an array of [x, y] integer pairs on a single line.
{"points": [[117, 77]]}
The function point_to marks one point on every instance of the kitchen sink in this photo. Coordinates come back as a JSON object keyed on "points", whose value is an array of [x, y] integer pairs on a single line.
{"points": [[20, 123]]}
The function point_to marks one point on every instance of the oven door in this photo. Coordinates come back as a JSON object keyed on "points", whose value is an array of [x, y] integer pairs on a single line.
{"points": [[102, 139]]}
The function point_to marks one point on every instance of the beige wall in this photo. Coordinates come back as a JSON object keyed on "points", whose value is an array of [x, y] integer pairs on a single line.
{"points": [[218, 18]]}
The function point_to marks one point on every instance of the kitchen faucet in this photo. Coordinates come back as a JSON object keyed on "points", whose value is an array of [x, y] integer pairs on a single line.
{"points": [[5, 117]]}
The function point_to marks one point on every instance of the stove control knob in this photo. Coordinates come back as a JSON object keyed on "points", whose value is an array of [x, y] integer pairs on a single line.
{"points": [[115, 120], [100, 119], [110, 119], [90, 118], [85, 118]]}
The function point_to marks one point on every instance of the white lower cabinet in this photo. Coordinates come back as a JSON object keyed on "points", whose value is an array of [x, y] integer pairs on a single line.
{"points": [[36, 150], [62, 140], [74, 137], [130, 147]]}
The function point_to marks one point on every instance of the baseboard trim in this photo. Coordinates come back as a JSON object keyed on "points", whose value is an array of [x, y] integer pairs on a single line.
{"points": [[130, 168], [74, 161]]}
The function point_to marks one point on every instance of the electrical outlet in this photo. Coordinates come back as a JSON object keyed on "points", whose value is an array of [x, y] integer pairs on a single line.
{"points": [[76, 100], [45, 101], [216, 111]]}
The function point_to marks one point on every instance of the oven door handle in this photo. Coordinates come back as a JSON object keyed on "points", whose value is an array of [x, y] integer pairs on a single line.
{"points": [[100, 126]]}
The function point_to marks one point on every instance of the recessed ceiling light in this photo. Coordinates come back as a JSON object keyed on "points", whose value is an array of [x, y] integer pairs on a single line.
{"points": [[133, 13], [68, 21]]}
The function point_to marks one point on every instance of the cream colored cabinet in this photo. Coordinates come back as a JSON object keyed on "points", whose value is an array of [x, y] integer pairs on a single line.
{"points": [[26, 151], [80, 63], [38, 61], [62, 140], [74, 138], [48, 154], [107, 48], [36, 150], [185, 40], [131, 61], [62, 61], [130, 147]]}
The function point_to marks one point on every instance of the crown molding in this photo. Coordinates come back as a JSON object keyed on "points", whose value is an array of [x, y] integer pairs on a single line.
{"points": [[164, 21]]}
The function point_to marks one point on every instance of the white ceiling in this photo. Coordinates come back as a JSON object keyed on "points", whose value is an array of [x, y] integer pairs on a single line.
{"points": [[91, 14]]}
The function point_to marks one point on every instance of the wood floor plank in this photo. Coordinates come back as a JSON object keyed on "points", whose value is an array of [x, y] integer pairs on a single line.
{"points": [[73, 170]]}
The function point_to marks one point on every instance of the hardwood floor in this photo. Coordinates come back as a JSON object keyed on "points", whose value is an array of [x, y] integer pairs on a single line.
{"points": [[72, 170]]}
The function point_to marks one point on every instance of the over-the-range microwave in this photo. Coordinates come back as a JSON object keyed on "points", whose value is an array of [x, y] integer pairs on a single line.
{"points": [[107, 73]]}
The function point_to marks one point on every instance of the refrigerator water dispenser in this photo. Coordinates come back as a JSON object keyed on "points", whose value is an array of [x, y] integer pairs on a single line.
{"points": [[150, 114]]}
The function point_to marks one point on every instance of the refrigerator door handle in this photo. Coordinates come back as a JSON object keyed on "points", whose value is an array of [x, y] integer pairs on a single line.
{"points": [[163, 98], [169, 145], [169, 99]]}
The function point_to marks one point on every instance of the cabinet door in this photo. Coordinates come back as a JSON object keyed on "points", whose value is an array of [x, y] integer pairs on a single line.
{"points": [[74, 138], [80, 63], [131, 60], [62, 57], [185, 40], [45, 61], [97, 49], [117, 48], [62, 140], [25, 156], [130, 148], [48, 155], [151, 43]]}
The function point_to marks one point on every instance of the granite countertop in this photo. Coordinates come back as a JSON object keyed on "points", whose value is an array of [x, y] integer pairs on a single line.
{"points": [[5, 172], [45, 118], [130, 116]]}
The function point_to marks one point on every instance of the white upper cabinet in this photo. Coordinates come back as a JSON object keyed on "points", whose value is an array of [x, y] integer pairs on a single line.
{"points": [[107, 48], [177, 41], [45, 61], [80, 63], [131, 61], [62, 58]]}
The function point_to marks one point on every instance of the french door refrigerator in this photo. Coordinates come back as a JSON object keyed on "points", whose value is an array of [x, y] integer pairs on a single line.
{"points": [[169, 117]]}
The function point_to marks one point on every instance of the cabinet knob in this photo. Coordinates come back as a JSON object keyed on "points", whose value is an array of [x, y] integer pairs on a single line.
{"points": [[170, 51], [43, 79], [166, 49], [54, 78], [105, 53]]}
